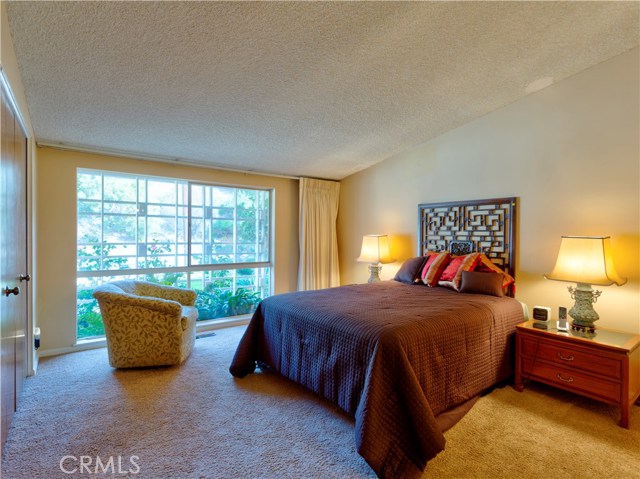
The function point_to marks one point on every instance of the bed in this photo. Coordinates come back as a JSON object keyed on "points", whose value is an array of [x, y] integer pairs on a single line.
{"points": [[396, 356]]}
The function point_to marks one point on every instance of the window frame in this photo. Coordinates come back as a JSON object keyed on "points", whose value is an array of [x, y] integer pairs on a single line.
{"points": [[188, 268]]}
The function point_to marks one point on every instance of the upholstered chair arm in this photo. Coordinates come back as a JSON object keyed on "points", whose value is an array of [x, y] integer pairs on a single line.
{"points": [[186, 297], [160, 305]]}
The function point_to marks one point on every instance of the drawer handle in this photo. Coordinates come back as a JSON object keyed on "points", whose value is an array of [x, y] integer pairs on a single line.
{"points": [[565, 358], [566, 380]]}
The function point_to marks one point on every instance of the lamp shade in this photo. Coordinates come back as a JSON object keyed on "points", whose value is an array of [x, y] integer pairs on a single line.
{"points": [[375, 249], [586, 259]]}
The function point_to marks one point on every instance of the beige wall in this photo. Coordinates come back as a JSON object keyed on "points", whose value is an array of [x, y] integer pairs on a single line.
{"points": [[56, 222], [570, 152]]}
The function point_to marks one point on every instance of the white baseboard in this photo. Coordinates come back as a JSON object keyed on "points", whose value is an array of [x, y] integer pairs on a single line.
{"points": [[81, 346]]}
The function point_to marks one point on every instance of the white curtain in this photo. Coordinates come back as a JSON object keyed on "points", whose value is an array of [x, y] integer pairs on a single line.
{"points": [[318, 237]]}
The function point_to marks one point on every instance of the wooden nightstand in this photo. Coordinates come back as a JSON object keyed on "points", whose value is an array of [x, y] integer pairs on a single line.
{"points": [[605, 367]]}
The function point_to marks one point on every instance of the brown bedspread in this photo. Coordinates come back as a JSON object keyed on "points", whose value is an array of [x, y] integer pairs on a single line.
{"points": [[393, 355]]}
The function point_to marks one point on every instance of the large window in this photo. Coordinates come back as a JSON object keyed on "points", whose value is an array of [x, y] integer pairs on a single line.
{"points": [[214, 239]]}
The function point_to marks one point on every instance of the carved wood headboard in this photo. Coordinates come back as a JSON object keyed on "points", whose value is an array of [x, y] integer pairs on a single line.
{"points": [[461, 227]]}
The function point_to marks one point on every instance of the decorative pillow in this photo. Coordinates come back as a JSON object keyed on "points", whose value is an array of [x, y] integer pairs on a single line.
{"points": [[481, 283], [410, 270], [486, 266], [429, 259], [451, 276], [434, 267]]}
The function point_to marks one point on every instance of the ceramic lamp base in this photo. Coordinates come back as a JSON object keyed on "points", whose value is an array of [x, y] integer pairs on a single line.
{"points": [[582, 312], [374, 273]]}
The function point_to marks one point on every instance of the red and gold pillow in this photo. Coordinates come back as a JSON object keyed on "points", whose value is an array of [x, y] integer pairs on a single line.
{"points": [[429, 255], [485, 265], [452, 275], [434, 267]]}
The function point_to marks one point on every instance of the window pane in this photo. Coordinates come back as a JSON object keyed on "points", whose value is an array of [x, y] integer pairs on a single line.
{"points": [[89, 320], [197, 193], [182, 229], [111, 260], [89, 186], [119, 229], [119, 256], [142, 230], [247, 200], [89, 258], [263, 219], [161, 210], [161, 230], [89, 206], [157, 254], [246, 231], [221, 231], [196, 254], [221, 197], [142, 190], [120, 188], [222, 249], [125, 208], [247, 253], [89, 228], [182, 255], [222, 213], [163, 192]]}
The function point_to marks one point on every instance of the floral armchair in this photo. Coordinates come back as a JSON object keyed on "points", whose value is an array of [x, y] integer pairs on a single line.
{"points": [[147, 324]]}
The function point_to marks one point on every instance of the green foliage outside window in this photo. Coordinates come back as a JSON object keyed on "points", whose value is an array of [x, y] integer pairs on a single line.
{"points": [[88, 315], [213, 300]]}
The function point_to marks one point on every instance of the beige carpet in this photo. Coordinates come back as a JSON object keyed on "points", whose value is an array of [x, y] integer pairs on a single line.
{"points": [[196, 421]]}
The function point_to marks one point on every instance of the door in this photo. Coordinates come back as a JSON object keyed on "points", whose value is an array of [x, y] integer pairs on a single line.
{"points": [[13, 264]]}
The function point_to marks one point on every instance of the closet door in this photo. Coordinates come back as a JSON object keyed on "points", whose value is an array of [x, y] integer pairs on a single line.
{"points": [[13, 264]]}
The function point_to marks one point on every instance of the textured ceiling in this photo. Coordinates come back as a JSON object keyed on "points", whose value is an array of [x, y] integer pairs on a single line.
{"points": [[314, 89]]}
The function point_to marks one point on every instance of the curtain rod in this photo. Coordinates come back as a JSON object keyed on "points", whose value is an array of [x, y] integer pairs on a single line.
{"points": [[160, 159]]}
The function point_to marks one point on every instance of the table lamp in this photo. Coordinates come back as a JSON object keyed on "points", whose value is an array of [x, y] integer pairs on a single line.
{"points": [[585, 260], [375, 250]]}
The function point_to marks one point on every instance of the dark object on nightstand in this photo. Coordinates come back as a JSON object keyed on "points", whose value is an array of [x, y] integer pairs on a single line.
{"points": [[541, 313], [605, 367], [584, 331], [562, 319]]}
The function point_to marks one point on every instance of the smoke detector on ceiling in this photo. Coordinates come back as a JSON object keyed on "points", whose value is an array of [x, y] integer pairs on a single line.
{"points": [[538, 84]]}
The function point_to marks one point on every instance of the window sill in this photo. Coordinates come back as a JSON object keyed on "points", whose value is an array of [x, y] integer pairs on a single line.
{"points": [[212, 324], [88, 343]]}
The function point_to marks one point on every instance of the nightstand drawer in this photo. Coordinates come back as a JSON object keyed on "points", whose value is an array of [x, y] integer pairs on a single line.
{"points": [[571, 379], [572, 358]]}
